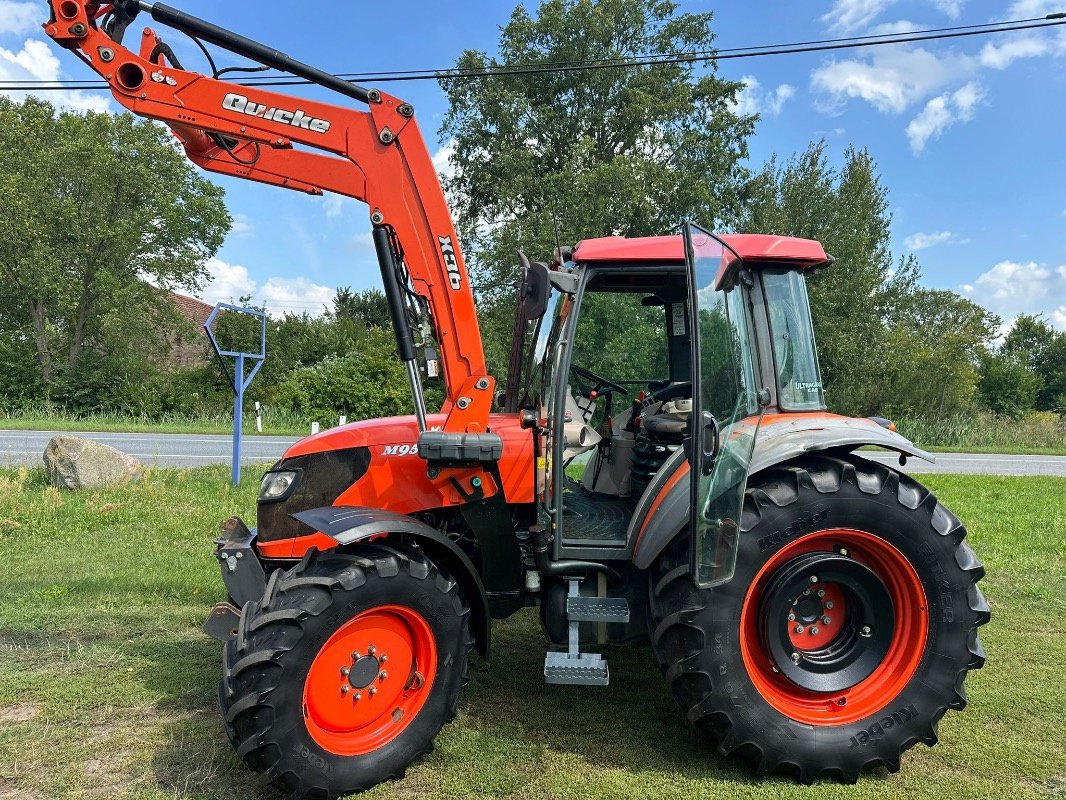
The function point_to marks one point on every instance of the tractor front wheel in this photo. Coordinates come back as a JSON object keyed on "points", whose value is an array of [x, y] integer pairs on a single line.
{"points": [[346, 670], [846, 632]]}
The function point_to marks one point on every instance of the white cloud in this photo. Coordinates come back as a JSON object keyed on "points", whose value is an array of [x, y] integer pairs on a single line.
{"points": [[242, 225], [753, 99], [226, 282], [941, 113], [894, 79], [296, 295], [334, 204], [442, 159], [36, 62], [921, 241], [950, 7], [1011, 288], [847, 16], [1000, 56], [891, 28], [229, 282], [20, 18]]}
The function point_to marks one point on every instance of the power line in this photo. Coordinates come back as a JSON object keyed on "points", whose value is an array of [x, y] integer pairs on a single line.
{"points": [[792, 48]]}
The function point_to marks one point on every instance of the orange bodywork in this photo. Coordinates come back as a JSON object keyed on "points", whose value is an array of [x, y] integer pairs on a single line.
{"points": [[396, 479], [376, 156]]}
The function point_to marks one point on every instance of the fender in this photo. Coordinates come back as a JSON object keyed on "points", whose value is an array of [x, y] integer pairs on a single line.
{"points": [[350, 524], [780, 439]]}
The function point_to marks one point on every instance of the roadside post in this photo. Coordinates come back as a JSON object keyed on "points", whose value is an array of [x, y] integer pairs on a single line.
{"points": [[237, 378]]}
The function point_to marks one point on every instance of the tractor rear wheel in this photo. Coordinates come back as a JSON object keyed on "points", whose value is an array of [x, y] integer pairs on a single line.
{"points": [[846, 632], [346, 670]]}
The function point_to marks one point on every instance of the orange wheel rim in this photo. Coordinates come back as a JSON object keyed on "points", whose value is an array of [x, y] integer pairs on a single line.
{"points": [[785, 644], [369, 680]]}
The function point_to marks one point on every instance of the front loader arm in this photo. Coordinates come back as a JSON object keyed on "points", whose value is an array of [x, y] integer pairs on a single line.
{"points": [[377, 156]]}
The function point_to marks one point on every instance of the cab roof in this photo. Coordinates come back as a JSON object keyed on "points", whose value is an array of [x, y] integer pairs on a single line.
{"points": [[803, 253]]}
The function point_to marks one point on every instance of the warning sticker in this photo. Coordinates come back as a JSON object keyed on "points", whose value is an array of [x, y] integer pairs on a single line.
{"points": [[677, 319]]}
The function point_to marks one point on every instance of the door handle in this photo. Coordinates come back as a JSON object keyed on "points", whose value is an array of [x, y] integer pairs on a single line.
{"points": [[709, 442]]}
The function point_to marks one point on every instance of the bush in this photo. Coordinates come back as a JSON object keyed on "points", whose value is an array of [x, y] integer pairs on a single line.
{"points": [[366, 383]]}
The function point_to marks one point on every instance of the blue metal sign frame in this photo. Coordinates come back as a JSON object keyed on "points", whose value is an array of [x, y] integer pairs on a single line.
{"points": [[239, 382]]}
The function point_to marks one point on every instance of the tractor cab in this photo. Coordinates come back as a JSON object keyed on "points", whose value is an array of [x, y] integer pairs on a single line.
{"points": [[609, 344]]}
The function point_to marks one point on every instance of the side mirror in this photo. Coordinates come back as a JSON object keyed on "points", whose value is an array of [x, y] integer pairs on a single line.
{"points": [[709, 442], [535, 289]]}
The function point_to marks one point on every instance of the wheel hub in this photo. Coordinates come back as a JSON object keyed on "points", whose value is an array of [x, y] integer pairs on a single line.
{"points": [[363, 672], [815, 612]]}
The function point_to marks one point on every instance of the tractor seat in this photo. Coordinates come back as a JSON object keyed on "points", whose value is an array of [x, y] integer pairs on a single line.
{"points": [[666, 426]]}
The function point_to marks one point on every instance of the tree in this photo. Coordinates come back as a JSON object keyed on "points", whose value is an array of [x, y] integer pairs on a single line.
{"points": [[568, 155], [368, 307], [936, 349], [1007, 385], [853, 302], [1042, 350], [96, 209]]}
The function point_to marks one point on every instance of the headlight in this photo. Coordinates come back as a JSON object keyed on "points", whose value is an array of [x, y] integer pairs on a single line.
{"points": [[276, 485]]}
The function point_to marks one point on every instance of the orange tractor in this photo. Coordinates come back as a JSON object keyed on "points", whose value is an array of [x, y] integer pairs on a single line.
{"points": [[813, 610]]}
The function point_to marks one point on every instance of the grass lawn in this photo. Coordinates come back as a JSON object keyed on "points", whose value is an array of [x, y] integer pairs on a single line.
{"points": [[107, 686]]}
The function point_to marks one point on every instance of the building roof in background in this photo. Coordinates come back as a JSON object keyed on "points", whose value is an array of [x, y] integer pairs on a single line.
{"points": [[192, 310]]}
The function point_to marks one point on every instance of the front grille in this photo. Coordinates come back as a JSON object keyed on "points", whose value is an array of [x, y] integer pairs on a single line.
{"points": [[324, 477]]}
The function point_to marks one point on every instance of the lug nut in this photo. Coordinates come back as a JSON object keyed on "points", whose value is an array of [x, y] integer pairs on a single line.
{"points": [[357, 697], [373, 691], [372, 650], [383, 658], [826, 620], [344, 672], [791, 617], [843, 551], [821, 592], [814, 630], [865, 631], [829, 605], [799, 629], [814, 579], [383, 675], [806, 591], [344, 689], [795, 658], [356, 655]]}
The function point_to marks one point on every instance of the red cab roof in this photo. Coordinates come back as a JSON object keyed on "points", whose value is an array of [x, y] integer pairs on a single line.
{"points": [[749, 246]]}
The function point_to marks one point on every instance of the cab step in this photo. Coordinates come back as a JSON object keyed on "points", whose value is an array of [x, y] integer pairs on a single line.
{"points": [[597, 609], [574, 667], [586, 669]]}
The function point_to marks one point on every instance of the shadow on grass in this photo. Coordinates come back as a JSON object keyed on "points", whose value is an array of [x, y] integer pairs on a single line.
{"points": [[509, 723]]}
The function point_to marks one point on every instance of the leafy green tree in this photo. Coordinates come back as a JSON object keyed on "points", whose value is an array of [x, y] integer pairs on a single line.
{"points": [[368, 307], [854, 301], [568, 155], [1007, 385], [1042, 350], [94, 207], [936, 347]]}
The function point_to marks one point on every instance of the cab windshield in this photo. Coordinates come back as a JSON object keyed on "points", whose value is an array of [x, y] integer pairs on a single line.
{"points": [[799, 381]]}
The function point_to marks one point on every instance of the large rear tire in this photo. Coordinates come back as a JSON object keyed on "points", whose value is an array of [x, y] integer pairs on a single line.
{"points": [[346, 670], [846, 632]]}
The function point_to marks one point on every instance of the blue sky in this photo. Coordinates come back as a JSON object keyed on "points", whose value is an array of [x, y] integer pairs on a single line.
{"points": [[967, 134]]}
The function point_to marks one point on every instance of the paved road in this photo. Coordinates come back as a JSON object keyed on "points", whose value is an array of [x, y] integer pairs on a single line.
{"points": [[157, 449], [192, 450]]}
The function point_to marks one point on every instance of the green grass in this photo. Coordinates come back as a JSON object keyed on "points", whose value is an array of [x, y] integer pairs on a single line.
{"points": [[107, 686], [275, 422]]}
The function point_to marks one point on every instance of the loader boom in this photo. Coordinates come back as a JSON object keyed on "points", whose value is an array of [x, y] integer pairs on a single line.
{"points": [[377, 156]]}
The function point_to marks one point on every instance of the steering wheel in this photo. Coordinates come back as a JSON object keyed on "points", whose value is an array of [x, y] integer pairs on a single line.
{"points": [[599, 382]]}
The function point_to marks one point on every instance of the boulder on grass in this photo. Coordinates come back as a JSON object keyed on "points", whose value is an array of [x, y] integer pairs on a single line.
{"points": [[75, 463]]}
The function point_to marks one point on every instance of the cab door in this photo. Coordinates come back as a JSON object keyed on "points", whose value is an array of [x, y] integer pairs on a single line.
{"points": [[726, 408]]}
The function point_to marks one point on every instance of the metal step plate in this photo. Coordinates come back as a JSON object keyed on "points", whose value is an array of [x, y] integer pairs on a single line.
{"points": [[597, 609], [587, 669]]}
